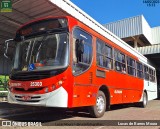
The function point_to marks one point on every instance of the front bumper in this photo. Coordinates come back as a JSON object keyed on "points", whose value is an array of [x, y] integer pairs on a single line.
{"points": [[56, 98]]}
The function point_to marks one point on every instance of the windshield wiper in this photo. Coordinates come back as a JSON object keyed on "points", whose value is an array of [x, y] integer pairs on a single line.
{"points": [[28, 49], [40, 46]]}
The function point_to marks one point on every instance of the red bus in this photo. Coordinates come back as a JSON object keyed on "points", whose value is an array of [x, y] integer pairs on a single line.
{"points": [[61, 62]]}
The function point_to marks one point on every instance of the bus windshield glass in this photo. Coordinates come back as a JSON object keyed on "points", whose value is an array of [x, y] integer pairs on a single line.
{"points": [[42, 53]]}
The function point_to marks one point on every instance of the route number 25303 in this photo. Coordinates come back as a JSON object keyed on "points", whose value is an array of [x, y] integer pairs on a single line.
{"points": [[36, 84]]}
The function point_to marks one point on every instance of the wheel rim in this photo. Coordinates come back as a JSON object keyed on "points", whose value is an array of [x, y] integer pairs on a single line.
{"points": [[145, 99], [100, 104]]}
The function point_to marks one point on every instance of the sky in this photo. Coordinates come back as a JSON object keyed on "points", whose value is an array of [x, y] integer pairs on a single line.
{"points": [[106, 11]]}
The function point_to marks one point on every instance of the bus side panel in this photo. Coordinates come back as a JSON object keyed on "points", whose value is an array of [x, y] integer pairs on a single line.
{"points": [[115, 96], [133, 90], [130, 96], [84, 95], [123, 88], [151, 88]]}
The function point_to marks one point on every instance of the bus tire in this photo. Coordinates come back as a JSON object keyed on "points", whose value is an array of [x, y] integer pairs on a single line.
{"points": [[99, 108], [144, 102]]}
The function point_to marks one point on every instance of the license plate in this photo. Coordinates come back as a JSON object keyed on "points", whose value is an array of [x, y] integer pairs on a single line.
{"points": [[26, 98]]}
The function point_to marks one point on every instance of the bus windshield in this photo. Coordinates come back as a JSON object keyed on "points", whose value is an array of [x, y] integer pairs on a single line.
{"points": [[42, 53]]}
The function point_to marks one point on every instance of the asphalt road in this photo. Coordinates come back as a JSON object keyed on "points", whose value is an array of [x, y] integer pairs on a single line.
{"points": [[119, 114]]}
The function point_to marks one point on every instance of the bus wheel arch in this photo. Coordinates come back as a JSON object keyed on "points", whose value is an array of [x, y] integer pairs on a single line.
{"points": [[102, 103], [105, 90]]}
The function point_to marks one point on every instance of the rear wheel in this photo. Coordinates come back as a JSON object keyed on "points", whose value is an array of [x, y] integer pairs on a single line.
{"points": [[144, 101], [99, 108]]}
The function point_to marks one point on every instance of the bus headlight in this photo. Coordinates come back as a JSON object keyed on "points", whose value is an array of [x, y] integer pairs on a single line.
{"points": [[46, 89], [53, 87], [60, 82]]}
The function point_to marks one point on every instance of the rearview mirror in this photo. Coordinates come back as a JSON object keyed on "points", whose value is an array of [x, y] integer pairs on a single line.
{"points": [[6, 47]]}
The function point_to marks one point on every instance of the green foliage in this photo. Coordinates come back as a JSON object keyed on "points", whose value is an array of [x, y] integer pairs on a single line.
{"points": [[3, 82]]}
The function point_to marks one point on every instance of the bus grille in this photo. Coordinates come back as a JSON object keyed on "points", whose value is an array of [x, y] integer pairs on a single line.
{"points": [[28, 90], [33, 99]]}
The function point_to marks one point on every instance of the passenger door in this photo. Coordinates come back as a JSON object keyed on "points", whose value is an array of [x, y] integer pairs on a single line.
{"points": [[82, 57]]}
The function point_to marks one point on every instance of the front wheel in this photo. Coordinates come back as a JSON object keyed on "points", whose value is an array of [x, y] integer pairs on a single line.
{"points": [[144, 102], [99, 108]]}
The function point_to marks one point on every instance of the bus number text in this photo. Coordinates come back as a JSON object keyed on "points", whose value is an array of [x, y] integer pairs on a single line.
{"points": [[36, 84]]}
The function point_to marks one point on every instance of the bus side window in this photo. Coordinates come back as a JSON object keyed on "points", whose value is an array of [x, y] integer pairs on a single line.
{"points": [[131, 66], [82, 51], [120, 61], [154, 75], [139, 70], [104, 55], [146, 73], [151, 75]]}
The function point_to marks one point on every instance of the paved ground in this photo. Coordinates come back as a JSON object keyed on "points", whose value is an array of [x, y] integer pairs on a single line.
{"points": [[126, 113]]}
